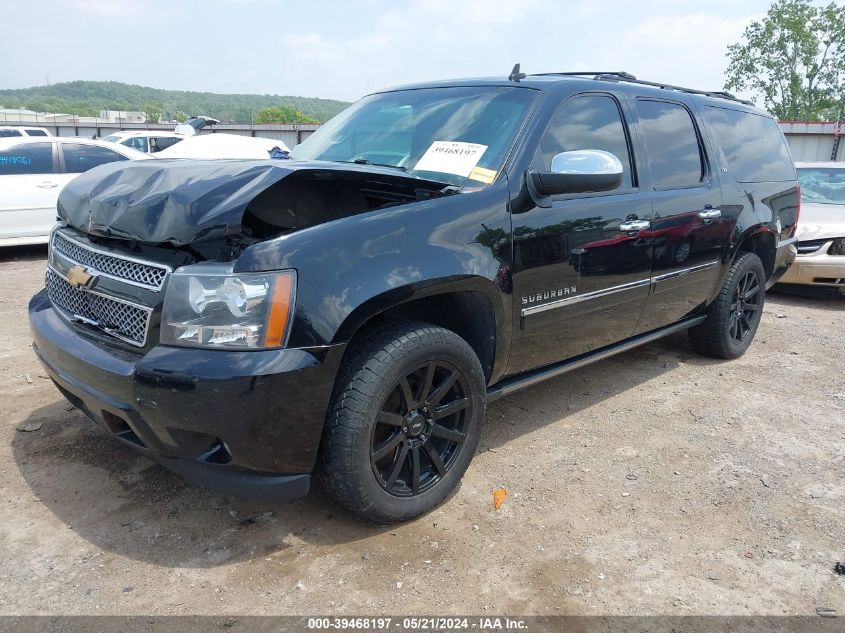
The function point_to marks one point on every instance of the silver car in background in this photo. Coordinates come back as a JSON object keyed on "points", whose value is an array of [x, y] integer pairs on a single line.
{"points": [[821, 227]]}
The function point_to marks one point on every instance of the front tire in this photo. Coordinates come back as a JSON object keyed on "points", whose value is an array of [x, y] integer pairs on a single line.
{"points": [[733, 317], [404, 422]]}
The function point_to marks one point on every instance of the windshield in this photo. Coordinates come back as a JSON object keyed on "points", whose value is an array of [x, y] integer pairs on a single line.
{"points": [[456, 135], [824, 185]]}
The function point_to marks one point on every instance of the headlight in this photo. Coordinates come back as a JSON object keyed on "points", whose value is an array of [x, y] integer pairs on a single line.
{"points": [[838, 247], [207, 305]]}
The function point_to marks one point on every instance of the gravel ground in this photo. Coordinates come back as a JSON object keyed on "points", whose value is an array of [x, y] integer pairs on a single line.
{"points": [[656, 482]]}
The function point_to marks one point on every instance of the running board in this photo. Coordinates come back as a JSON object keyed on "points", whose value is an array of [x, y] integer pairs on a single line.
{"points": [[509, 385]]}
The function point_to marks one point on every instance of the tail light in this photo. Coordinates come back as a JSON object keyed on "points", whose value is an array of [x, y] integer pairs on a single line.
{"points": [[797, 212]]}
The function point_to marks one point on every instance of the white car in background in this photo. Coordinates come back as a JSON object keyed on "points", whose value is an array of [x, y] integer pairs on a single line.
{"points": [[32, 172], [7, 131], [821, 227], [221, 146], [147, 141]]}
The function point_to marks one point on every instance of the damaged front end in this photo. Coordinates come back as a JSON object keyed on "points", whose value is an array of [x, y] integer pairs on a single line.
{"points": [[183, 202], [146, 324], [136, 229]]}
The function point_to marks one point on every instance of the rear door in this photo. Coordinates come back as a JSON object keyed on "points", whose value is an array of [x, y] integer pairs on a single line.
{"points": [[688, 233], [30, 187], [581, 265]]}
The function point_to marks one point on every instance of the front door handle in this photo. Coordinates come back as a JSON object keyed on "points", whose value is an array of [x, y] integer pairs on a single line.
{"points": [[710, 214], [48, 185], [634, 225]]}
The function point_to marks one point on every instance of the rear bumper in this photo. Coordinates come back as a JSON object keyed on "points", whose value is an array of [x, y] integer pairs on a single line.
{"points": [[784, 258], [246, 424]]}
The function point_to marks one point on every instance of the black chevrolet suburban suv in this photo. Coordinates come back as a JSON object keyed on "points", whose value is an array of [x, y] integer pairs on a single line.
{"points": [[350, 312]]}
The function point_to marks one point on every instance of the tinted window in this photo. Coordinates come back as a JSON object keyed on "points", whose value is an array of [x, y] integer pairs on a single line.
{"points": [[672, 144], [32, 158], [36, 132], [8, 133], [753, 145], [81, 158], [591, 122]]}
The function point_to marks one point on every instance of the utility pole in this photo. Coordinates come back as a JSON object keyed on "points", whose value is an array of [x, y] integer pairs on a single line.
{"points": [[837, 131]]}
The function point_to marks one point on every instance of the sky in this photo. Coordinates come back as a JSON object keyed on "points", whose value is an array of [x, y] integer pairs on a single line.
{"points": [[343, 50]]}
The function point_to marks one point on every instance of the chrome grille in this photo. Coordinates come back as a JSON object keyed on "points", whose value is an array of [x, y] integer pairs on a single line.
{"points": [[810, 246], [121, 319], [135, 272]]}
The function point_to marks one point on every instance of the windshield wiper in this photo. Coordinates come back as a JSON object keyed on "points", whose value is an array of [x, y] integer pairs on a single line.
{"points": [[364, 161]]}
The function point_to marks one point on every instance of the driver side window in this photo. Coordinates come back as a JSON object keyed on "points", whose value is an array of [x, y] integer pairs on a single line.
{"points": [[587, 122]]}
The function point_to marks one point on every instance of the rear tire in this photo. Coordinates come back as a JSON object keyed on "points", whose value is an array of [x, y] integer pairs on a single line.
{"points": [[404, 422], [733, 317]]}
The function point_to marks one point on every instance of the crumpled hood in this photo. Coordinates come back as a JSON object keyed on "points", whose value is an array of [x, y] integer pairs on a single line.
{"points": [[821, 221], [180, 201]]}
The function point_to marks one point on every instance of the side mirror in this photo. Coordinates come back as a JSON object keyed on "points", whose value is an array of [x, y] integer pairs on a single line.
{"points": [[580, 171]]}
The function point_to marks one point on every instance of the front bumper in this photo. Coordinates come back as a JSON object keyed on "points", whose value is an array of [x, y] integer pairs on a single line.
{"points": [[245, 423], [817, 269]]}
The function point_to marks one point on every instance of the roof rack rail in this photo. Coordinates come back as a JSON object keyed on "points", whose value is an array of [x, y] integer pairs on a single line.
{"points": [[621, 74], [629, 78]]}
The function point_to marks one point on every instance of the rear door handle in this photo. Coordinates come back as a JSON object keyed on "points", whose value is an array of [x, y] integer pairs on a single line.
{"points": [[634, 225], [48, 185], [710, 214]]}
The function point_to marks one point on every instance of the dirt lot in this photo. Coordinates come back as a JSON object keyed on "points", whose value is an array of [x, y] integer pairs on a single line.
{"points": [[656, 482]]}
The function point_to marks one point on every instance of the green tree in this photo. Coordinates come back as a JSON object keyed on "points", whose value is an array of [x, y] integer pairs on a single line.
{"points": [[152, 112], [180, 116], [794, 58], [282, 114]]}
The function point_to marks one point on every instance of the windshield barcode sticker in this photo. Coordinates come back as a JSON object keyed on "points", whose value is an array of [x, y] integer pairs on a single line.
{"points": [[451, 157]]}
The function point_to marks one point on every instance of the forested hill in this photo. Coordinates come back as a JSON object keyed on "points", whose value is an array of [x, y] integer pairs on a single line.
{"points": [[87, 98]]}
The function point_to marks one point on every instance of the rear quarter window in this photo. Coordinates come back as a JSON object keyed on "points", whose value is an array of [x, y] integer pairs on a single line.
{"points": [[753, 145]]}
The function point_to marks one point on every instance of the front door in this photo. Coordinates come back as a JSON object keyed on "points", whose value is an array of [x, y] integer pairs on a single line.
{"points": [[687, 229], [581, 266]]}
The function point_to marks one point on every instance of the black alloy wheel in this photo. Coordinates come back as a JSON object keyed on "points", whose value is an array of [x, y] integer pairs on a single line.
{"points": [[746, 307], [419, 429], [406, 415], [735, 313]]}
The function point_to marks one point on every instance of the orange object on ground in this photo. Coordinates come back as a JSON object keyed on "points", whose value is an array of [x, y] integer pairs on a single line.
{"points": [[499, 498]]}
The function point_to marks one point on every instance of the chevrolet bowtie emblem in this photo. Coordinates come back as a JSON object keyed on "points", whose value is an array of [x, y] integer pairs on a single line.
{"points": [[79, 277]]}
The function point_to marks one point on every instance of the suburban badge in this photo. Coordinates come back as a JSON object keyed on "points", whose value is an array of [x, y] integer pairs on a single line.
{"points": [[556, 294]]}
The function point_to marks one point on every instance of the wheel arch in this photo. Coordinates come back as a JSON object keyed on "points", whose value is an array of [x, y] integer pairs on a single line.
{"points": [[469, 306], [760, 241]]}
